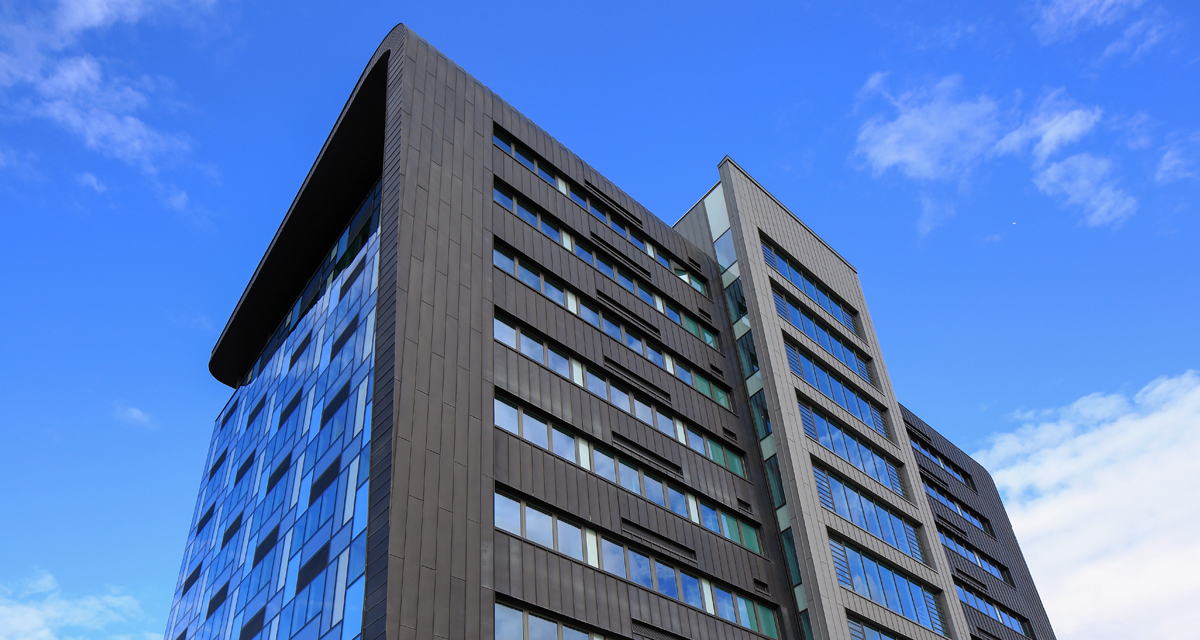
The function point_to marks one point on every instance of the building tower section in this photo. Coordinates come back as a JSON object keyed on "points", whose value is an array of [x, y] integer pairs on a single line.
{"points": [[481, 392]]}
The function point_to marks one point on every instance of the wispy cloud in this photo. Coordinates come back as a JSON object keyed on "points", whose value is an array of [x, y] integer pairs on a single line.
{"points": [[1064, 19], [933, 214], [1141, 36], [44, 75], [90, 180], [1087, 182], [36, 609], [1177, 161], [1093, 492], [934, 134], [1056, 122], [131, 415]]}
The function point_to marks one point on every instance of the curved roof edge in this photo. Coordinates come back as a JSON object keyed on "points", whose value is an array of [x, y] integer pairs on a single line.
{"points": [[349, 163]]}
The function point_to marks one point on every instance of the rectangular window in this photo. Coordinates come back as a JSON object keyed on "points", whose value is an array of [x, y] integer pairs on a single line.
{"points": [[691, 591], [526, 214], [678, 501], [505, 332], [620, 398], [506, 417], [525, 159], [508, 514], [589, 314], [509, 623], [532, 349], [570, 540], [665, 576], [559, 363], [611, 328], [654, 490], [605, 466], [564, 444], [637, 241], [579, 198], [605, 267], [597, 385], [709, 518], [539, 527], [646, 295], [529, 276], [502, 143], [629, 478], [639, 570], [625, 280], [724, 601], [642, 411], [665, 424], [633, 342], [598, 213], [613, 557], [503, 260], [502, 198], [535, 430], [556, 293]]}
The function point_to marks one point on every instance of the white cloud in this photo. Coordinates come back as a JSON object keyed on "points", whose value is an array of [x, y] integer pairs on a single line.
{"points": [[1063, 19], [131, 415], [1138, 130], [934, 134], [1056, 122], [176, 199], [37, 610], [71, 90], [1140, 36], [74, 16], [1175, 164], [1100, 496], [933, 214], [90, 180], [1086, 181]]}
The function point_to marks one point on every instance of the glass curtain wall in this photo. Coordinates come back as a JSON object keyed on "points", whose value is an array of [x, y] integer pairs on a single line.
{"points": [[278, 545]]}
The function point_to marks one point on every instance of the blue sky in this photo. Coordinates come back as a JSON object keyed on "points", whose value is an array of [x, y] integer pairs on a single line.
{"points": [[1017, 185]]}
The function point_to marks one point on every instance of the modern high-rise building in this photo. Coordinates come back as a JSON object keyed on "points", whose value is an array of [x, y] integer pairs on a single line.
{"points": [[481, 392]]}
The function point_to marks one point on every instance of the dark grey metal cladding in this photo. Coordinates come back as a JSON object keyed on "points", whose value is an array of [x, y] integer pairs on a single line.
{"points": [[1022, 596], [571, 405], [445, 563]]}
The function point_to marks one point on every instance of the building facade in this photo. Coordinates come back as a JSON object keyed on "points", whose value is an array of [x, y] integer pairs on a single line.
{"points": [[481, 392]]}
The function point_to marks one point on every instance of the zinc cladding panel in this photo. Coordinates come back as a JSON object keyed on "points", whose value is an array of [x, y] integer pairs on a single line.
{"points": [[435, 409], [615, 293], [1022, 597], [686, 402], [434, 351], [736, 573], [751, 208], [602, 419]]}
